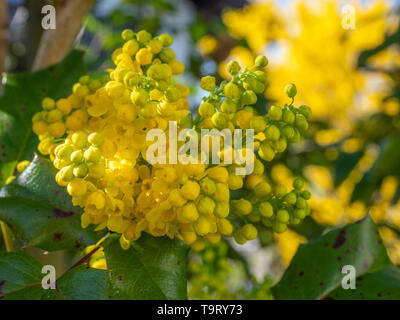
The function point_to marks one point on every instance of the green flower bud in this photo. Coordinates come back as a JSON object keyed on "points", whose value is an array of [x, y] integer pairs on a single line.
{"points": [[220, 120], [79, 139], [262, 189], [132, 79], [287, 132], [259, 87], [159, 71], [301, 122], [296, 137], [228, 106], [96, 139], [275, 113], [77, 156], [298, 183], [291, 90], [258, 123], [185, 122], [282, 216], [258, 167], [248, 98], [265, 152], [279, 227], [260, 75], [166, 39], [300, 213], [294, 220], [64, 151], [306, 111], [206, 109], [280, 145], [206, 206], [139, 96], [80, 171], [66, 174], [266, 209], [288, 116], [300, 203], [266, 222], [261, 62], [231, 91], [233, 67], [207, 83], [208, 186], [172, 94], [272, 133], [143, 36], [48, 103], [92, 154], [306, 194], [243, 207], [167, 54], [250, 83], [280, 190], [127, 34], [291, 198]]}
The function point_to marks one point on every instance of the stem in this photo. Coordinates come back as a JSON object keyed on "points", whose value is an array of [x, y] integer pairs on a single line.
{"points": [[85, 258], [6, 236]]}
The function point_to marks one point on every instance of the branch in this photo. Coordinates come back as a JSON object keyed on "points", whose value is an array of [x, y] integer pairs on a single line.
{"points": [[55, 44], [3, 35]]}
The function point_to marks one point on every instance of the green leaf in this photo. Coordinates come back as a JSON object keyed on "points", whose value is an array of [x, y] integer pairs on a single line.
{"points": [[18, 270], [383, 284], [315, 270], [153, 268], [40, 212], [21, 278], [83, 283], [21, 99]]}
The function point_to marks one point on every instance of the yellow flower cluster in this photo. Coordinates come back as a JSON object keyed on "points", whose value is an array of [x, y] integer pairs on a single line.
{"points": [[96, 138], [299, 42]]}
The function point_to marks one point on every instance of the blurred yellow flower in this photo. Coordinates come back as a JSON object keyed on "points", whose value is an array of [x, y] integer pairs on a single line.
{"points": [[207, 45]]}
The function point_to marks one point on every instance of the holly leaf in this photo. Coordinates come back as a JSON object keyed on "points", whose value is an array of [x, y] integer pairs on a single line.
{"points": [[40, 212], [316, 269], [153, 268], [21, 99], [383, 284], [21, 278]]}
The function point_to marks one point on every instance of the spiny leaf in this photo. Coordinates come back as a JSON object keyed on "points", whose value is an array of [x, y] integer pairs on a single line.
{"points": [[154, 268], [316, 269], [40, 213], [21, 99]]}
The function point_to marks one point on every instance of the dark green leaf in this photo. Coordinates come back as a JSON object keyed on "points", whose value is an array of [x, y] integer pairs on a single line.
{"points": [[383, 284], [316, 268], [17, 271], [21, 99], [83, 283], [21, 278], [154, 268], [40, 213]]}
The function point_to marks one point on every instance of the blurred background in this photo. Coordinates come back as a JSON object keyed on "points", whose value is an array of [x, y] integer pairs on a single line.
{"points": [[343, 57]]}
